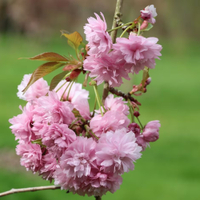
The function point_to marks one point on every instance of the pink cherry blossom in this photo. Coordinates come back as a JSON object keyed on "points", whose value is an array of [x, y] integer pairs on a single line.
{"points": [[141, 142], [77, 96], [22, 124], [105, 68], [135, 128], [57, 137], [37, 89], [49, 109], [116, 104], [110, 121], [149, 14], [31, 156], [138, 51], [100, 182], [151, 131], [116, 151], [49, 165], [96, 184], [99, 41], [79, 158]]}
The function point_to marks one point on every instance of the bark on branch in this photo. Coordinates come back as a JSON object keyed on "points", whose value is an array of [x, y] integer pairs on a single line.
{"points": [[116, 20], [31, 189], [125, 96]]}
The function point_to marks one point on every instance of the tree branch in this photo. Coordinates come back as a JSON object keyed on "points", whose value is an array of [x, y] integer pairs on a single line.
{"points": [[125, 96], [116, 20], [31, 189]]}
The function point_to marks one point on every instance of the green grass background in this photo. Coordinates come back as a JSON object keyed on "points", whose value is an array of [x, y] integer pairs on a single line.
{"points": [[170, 169]]}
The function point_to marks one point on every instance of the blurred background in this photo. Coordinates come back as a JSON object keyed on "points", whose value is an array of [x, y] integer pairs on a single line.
{"points": [[167, 170]]}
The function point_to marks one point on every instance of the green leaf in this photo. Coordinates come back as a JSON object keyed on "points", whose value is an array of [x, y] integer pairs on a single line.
{"points": [[74, 39], [49, 56], [41, 71], [56, 79]]}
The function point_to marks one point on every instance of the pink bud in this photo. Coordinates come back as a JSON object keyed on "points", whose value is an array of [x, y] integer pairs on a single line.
{"points": [[67, 79], [135, 89], [148, 81], [144, 25], [135, 128], [151, 131]]}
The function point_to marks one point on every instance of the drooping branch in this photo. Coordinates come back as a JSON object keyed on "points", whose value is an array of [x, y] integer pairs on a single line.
{"points": [[31, 189], [116, 20]]}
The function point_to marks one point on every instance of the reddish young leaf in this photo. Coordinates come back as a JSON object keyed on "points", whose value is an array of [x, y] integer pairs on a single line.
{"points": [[74, 39], [49, 56], [69, 67], [41, 71], [75, 73]]}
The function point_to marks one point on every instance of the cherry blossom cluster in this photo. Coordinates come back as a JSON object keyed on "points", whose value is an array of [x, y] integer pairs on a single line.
{"points": [[112, 62], [83, 151]]}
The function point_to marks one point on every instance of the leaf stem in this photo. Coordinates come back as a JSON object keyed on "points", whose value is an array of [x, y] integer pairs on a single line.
{"points": [[95, 104], [90, 131], [118, 27], [138, 29], [70, 89], [131, 110], [98, 99], [124, 31], [65, 90], [64, 82], [140, 123]]}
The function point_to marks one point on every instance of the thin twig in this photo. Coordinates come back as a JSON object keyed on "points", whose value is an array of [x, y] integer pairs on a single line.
{"points": [[31, 189], [125, 96], [116, 20]]}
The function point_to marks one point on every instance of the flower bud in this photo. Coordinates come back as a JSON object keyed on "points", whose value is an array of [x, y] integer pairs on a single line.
{"points": [[151, 131], [148, 81], [149, 14], [135, 128], [67, 79], [136, 114], [144, 25]]}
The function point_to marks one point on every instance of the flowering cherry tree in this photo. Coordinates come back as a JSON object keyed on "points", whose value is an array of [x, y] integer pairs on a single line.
{"points": [[86, 151]]}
